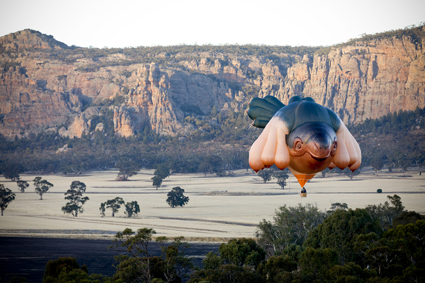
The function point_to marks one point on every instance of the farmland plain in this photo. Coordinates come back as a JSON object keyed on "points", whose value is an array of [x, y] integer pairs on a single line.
{"points": [[219, 207]]}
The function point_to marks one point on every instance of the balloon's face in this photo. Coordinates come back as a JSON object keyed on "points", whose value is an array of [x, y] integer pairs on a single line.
{"points": [[312, 147]]}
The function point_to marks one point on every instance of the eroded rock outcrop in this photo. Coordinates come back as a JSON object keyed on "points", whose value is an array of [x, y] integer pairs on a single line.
{"points": [[45, 85]]}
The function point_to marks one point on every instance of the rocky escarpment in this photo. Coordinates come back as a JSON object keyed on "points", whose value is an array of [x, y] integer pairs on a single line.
{"points": [[48, 86]]}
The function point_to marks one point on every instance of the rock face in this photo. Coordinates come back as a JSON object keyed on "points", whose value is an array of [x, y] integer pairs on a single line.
{"points": [[48, 86], [367, 80]]}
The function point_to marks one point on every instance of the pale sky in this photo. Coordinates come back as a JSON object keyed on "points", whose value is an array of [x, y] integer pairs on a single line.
{"points": [[127, 23]]}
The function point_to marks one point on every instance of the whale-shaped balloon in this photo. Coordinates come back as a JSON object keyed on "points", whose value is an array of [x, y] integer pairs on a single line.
{"points": [[303, 136]]}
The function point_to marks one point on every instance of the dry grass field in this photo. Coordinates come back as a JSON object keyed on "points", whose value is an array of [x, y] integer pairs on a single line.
{"points": [[219, 208]]}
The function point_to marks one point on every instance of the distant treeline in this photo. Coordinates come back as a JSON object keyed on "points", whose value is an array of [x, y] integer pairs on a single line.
{"points": [[398, 139], [415, 32]]}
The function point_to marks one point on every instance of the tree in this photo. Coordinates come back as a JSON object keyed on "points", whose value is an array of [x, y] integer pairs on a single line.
{"points": [[337, 205], [350, 174], [102, 209], [132, 208], [205, 168], [60, 267], [266, 174], [281, 177], [290, 225], [242, 252], [41, 186], [6, 197], [75, 198], [212, 261], [324, 172], [12, 170], [156, 181], [162, 170], [176, 197], [316, 262], [22, 185], [339, 232], [386, 213], [135, 261], [377, 163], [127, 168], [176, 265], [114, 204]]}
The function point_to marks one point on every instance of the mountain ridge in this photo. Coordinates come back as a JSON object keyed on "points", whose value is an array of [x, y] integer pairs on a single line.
{"points": [[46, 85]]}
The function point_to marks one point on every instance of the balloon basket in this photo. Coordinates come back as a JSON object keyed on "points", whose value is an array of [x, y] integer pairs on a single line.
{"points": [[303, 195]]}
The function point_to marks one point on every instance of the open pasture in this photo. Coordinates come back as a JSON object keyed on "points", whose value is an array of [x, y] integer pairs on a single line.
{"points": [[219, 207]]}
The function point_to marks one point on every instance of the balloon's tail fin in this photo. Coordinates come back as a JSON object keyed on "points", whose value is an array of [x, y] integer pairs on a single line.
{"points": [[261, 110], [303, 178]]}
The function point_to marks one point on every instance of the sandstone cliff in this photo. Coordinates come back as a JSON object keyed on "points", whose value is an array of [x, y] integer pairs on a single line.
{"points": [[48, 86]]}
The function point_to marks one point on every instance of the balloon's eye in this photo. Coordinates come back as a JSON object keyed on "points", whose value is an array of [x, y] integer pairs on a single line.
{"points": [[298, 143]]}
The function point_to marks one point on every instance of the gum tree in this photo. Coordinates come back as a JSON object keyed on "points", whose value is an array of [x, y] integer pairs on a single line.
{"points": [[6, 197], [176, 197], [114, 204], [22, 185], [41, 186], [132, 209], [75, 198]]}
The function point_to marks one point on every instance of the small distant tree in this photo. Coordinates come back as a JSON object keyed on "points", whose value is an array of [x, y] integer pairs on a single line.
{"points": [[281, 177], [265, 174], [6, 197], [114, 204], [176, 197], [350, 174], [41, 186], [132, 208], [324, 172], [127, 168], [12, 170], [156, 181], [75, 198], [377, 163], [22, 185], [162, 170], [102, 209], [205, 168]]}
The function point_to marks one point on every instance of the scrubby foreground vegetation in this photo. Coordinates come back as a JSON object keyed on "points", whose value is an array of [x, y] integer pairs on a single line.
{"points": [[379, 243]]}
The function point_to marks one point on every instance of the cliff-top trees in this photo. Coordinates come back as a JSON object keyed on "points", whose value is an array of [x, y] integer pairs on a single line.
{"points": [[6, 197], [41, 186], [75, 198]]}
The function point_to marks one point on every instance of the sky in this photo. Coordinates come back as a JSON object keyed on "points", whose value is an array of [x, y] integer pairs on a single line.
{"points": [[127, 23]]}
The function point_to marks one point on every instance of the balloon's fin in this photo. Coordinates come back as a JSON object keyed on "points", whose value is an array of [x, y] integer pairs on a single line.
{"points": [[261, 110], [301, 177]]}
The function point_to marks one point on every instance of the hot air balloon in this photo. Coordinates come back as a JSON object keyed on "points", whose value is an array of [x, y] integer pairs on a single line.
{"points": [[303, 136]]}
